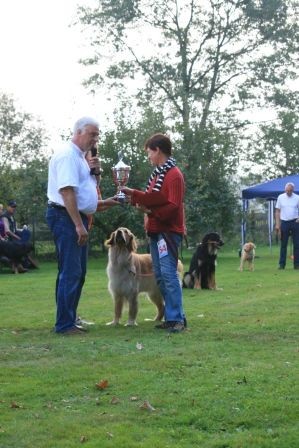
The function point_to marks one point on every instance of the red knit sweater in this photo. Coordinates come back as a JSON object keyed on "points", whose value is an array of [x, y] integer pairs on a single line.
{"points": [[166, 205]]}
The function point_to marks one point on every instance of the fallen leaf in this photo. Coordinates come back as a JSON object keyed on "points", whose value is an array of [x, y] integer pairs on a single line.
{"points": [[139, 346], [243, 381], [15, 405], [114, 400], [133, 398], [147, 406], [83, 439], [109, 434], [103, 384]]}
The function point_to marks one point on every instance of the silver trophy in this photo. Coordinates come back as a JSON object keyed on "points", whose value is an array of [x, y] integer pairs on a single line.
{"points": [[121, 173]]}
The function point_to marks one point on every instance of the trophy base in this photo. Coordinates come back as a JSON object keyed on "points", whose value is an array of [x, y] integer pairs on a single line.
{"points": [[121, 197]]}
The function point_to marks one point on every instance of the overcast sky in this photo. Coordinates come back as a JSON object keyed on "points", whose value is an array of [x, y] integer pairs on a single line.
{"points": [[39, 61]]}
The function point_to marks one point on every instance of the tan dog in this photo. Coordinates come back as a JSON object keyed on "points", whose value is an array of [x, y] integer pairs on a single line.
{"points": [[129, 274], [247, 255]]}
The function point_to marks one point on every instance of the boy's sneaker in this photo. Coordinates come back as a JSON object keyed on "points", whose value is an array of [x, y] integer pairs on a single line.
{"points": [[80, 321]]}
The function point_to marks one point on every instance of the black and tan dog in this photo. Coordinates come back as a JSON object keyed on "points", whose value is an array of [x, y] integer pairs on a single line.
{"points": [[14, 253], [201, 274]]}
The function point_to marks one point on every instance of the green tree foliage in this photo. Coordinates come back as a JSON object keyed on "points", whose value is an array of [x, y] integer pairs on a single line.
{"points": [[23, 160], [213, 202], [276, 147], [203, 63], [199, 52]]}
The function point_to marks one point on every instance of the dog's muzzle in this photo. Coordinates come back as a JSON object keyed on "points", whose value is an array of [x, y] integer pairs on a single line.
{"points": [[119, 238]]}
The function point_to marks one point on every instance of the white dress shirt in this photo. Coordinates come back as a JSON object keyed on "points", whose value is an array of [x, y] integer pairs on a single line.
{"points": [[69, 168]]}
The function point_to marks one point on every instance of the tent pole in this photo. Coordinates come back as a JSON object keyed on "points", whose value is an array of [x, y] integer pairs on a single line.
{"points": [[270, 222], [243, 225]]}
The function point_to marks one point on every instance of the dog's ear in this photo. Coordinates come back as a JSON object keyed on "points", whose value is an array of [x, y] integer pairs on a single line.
{"points": [[132, 242], [110, 241], [205, 239]]}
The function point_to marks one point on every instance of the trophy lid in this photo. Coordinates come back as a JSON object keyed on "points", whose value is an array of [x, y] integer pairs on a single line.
{"points": [[121, 166]]}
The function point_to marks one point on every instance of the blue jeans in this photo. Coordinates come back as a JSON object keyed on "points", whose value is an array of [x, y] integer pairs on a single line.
{"points": [[24, 234], [166, 274], [287, 228], [72, 261]]}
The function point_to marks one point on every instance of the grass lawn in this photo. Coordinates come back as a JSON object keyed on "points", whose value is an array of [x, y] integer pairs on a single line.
{"points": [[230, 380]]}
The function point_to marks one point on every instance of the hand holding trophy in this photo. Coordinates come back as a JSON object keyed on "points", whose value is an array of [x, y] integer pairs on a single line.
{"points": [[121, 173]]}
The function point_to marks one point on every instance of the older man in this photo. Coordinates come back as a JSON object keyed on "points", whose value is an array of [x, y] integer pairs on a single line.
{"points": [[72, 195], [287, 223]]}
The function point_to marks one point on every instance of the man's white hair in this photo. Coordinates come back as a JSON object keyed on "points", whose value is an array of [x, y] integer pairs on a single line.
{"points": [[290, 184], [83, 122]]}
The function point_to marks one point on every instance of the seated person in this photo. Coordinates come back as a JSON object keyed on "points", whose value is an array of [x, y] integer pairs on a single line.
{"points": [[11, 230], [13, 234], [2, 229]]}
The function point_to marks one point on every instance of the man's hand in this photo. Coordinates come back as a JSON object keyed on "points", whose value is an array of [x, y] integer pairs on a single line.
{"points": [[82, 235], [70, 202], [111, 201], [278, 231], [95, 165]]}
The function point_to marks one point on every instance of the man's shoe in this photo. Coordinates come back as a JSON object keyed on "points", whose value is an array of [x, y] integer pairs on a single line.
{"points": [[73, 331], [178, 327], [164, 325], [280, 267], [296, 267]]}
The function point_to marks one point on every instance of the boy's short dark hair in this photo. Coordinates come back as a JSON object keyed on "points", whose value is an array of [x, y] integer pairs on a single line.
{"points": [[160, 141]]}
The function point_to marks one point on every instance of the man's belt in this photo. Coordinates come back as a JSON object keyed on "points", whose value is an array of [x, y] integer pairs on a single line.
{"points": [[60, 207], [55, 205]]}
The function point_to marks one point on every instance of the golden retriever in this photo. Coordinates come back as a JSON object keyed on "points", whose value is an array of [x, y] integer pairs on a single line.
{"points": [[247, 255], [129, 274]]}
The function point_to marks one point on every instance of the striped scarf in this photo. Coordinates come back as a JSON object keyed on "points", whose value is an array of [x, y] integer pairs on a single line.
{"points": [[160, 171]]}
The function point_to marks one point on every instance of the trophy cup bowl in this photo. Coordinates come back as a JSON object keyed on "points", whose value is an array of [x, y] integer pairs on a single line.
{"points": [[121, 173]]}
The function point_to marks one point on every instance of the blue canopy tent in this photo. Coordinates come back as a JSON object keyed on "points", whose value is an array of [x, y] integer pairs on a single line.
{"points": [[269, 191]]}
